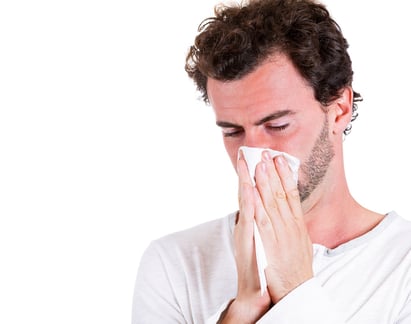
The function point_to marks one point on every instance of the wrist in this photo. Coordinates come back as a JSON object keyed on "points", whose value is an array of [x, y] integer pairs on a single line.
{"points": [[241, 312]]}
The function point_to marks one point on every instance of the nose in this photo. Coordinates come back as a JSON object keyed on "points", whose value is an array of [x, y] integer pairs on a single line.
{"points": [[257, 139]]}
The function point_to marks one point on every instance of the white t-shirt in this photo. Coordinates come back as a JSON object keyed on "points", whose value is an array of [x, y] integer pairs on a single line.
{"points": [[190, 276]]}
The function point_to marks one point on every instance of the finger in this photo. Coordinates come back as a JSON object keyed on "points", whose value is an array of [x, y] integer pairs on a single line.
{"points": [[265, 227], [244, 229], [271, 190], [245, 192], [246, 205], [244, 242], [284, 187], [242, 169], [244, 245], [289, 186]]}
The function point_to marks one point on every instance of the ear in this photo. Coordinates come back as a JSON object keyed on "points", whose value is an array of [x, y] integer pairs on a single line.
{"points": [[341, 111]]}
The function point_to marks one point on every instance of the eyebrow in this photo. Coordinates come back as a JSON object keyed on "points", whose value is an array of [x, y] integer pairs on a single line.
{"points": [[273, 116]]}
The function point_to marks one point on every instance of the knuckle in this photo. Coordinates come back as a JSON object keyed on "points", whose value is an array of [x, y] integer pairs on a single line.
{"points": [[263, 222], [272, 207], [293, 193], [280, 195]]}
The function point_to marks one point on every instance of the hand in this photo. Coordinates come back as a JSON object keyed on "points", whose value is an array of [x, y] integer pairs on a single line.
{"points": [[279, 218], [274, 204], [249, 305]]}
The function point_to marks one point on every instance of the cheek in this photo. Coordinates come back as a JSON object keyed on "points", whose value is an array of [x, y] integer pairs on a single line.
{"points": [[232, 151]]}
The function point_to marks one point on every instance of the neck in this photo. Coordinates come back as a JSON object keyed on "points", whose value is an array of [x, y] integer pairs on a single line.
{"points": [[332, 215]]}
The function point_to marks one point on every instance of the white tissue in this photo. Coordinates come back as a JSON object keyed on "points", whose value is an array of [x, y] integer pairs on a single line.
{"points": [[252, 156]]}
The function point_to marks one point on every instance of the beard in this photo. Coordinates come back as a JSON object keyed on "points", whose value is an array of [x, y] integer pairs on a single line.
{"points": [[316, 166]]}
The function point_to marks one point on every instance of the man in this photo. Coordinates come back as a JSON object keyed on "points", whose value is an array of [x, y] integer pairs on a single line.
{"points": [[278, 76]]}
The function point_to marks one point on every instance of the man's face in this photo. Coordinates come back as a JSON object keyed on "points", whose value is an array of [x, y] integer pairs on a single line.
{"points": [[274, 107]]}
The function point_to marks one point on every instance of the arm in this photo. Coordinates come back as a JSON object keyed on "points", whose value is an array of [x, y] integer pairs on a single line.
{"points": [[308, 303], [405, 315], [249, 305], [275, 206], [154, 299]]}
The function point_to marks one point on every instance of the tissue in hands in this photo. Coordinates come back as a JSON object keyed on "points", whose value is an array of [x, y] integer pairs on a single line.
{"points": [[252, 156]]}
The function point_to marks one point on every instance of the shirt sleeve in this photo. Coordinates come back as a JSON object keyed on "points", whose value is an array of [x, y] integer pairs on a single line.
{"points": [[154, 299], [307, 304], [215, 318], [405, 315]]}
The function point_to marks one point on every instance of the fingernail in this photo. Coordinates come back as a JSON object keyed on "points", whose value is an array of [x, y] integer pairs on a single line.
{"points": [[240, 155], [266, 156], [281, 160], [264, 167]]}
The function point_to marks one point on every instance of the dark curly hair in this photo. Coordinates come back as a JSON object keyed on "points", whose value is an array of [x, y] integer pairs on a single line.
{"points": [[241, 37]]}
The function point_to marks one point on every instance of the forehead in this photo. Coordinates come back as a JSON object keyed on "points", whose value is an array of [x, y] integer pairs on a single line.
{"points": [[275, 85]]}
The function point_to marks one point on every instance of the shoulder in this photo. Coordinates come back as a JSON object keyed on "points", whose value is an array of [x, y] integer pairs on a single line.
{"points": [[174, 270], [202, 238], [396, 226], [393, 237], [182, 256]]}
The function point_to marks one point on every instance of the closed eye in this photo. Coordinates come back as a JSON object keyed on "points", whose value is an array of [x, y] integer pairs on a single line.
{"points": [[277, 128], [235, 132]]}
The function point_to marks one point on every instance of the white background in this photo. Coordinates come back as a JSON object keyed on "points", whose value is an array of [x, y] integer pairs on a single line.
{"points": [[105, 146]]}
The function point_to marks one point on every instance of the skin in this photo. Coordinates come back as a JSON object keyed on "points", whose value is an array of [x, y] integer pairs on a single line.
{"points": [[274, 107]]}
